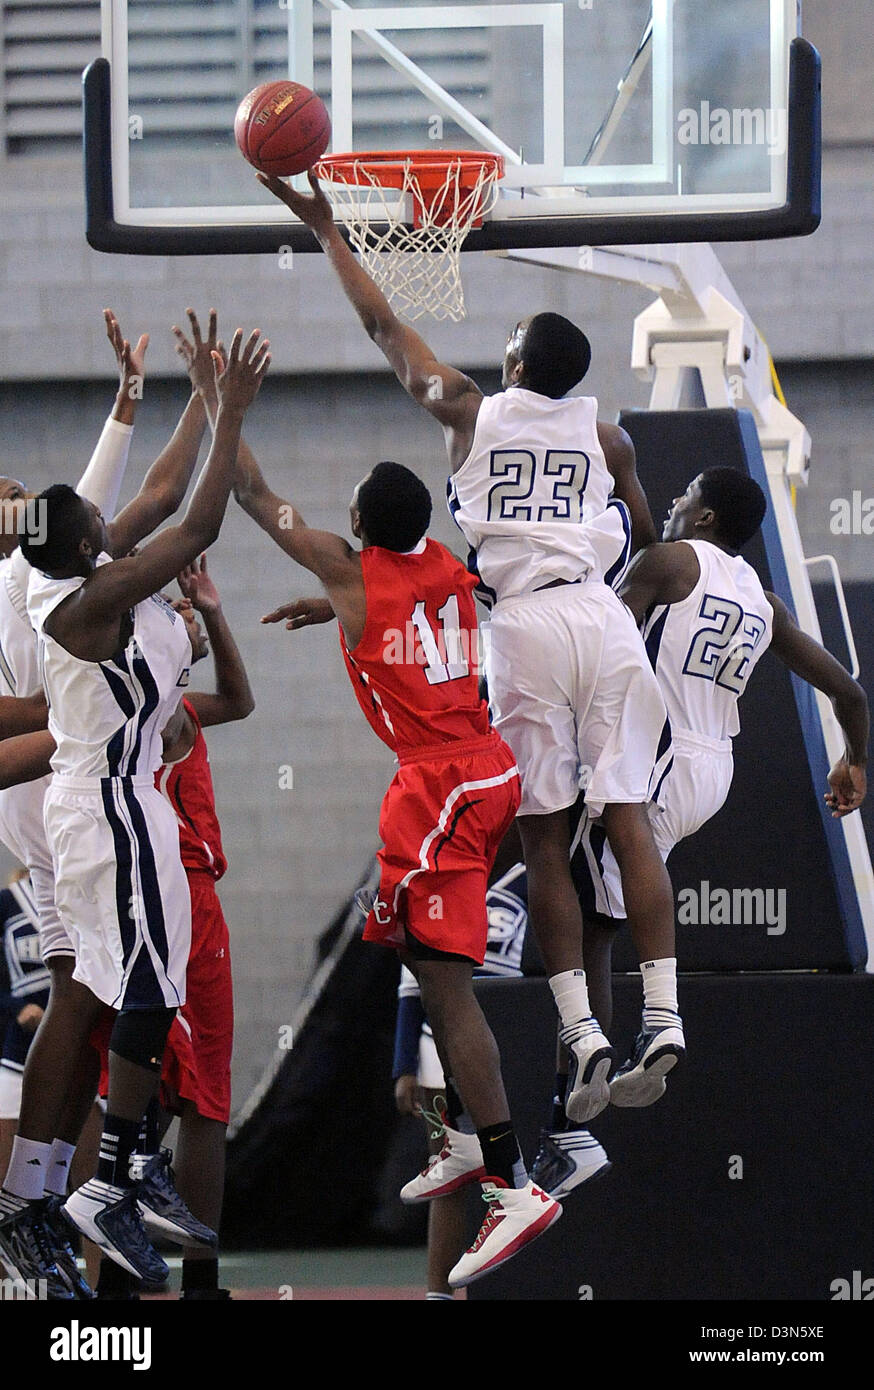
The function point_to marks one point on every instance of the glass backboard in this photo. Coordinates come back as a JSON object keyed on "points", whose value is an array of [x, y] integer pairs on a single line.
{"points": [[618, 120]]}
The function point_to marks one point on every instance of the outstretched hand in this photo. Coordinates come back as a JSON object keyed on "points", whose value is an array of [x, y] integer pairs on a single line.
{"points": [[303, 612], [196, 584], [314, 211], [196, 353], [238, 379], [131, 361]]}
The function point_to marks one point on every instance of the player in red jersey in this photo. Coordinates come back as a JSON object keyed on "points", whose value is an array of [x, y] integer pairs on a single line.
{"points": [[408, 635]]}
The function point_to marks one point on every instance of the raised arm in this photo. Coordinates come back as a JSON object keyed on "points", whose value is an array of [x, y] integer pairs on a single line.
{"points": [[666, 572], [809, 660], [323, 553], [449, 395], [232, 698], [102, 479], [89, 617], [622, 464], [164, 486]]}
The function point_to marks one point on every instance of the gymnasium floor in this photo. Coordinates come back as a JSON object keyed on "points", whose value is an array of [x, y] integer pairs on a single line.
{"points": [[333, 1275]]}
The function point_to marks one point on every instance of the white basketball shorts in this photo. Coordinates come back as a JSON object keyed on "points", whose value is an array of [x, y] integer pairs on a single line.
{"points": [[23, 832], [572, 692], [430, 1070], [11, 1082], [120, 888], [694, 790]]}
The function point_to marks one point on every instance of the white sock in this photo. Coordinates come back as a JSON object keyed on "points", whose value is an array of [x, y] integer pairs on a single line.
{"points": [[572, 1001], [28, 1166], [659, 992], [58, 1173]]}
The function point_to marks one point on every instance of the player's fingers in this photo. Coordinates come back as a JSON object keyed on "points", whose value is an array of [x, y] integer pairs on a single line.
{"points": [[142, 344], [212, 326], [274, 184], [278, 614], [234, 354], [183, 347], [262, 355], [248, 350], [195, 327], [202, 563]]}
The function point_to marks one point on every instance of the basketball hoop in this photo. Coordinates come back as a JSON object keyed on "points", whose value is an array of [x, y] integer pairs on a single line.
{"points": [[450, 190]]}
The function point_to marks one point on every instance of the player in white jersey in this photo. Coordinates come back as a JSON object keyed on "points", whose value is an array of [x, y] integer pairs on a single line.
{"points": [[707, 622], [61, 1074], [114, 656], [537, 487]]}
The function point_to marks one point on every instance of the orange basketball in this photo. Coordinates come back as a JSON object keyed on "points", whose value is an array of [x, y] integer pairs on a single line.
{"points": [[282, 128]]}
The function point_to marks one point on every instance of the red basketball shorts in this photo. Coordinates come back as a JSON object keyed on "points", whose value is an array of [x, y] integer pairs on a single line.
{"points": [[197, 1060], [442, 820]]}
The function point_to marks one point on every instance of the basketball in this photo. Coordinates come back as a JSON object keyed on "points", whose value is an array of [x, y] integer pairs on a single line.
{"points": [[282, 128]]}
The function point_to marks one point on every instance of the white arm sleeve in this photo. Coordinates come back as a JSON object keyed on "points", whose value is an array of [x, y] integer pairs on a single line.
{"points": [[102, 479]]}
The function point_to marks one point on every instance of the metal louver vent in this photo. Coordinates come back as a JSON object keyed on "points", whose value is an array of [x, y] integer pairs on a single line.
{"points": [[189, 63]]}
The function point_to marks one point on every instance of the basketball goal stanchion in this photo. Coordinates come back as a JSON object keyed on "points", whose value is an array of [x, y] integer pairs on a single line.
{"points": [[446, 193]]}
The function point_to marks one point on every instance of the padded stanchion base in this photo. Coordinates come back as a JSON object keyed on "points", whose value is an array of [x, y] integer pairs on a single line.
{"points": [[750, 1179]]}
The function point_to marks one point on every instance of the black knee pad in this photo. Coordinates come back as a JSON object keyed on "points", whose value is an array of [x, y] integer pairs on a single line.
{"points": [[139, 1036]]}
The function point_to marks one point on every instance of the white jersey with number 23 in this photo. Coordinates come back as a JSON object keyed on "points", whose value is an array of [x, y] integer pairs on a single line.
{"points": [[534, 495]]}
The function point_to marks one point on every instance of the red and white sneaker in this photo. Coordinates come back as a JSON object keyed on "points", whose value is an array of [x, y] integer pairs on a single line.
{"points": [[516, 1216], [459, 1162]]}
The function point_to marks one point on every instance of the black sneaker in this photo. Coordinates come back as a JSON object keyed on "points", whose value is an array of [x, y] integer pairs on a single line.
{"points": [[641, 1080], [109, 1216], [60, 1231], [163, 1211], [27, 1251], [566, 1160]]}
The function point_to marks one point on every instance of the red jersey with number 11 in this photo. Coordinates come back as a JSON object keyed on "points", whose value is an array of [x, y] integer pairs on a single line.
{"points": [[415, 670]]}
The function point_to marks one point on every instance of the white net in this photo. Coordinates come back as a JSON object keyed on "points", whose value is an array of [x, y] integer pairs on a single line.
{"points": [[417, 267]]}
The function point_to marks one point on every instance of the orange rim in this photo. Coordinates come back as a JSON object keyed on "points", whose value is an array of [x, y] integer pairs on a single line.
{"points": [[430, 166]]}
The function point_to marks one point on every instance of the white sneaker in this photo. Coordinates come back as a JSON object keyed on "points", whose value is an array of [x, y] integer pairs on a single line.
{"points": [[516, 1216], [566, 1160], [459, 1162], [641, 1080], [588, 1091]]}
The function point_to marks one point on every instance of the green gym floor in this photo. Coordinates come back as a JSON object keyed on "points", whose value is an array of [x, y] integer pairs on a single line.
{"points": [[365, 1274]]}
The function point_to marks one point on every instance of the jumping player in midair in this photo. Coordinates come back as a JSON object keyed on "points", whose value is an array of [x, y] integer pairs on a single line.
{"points": [[549, 500], [454, 795]]}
